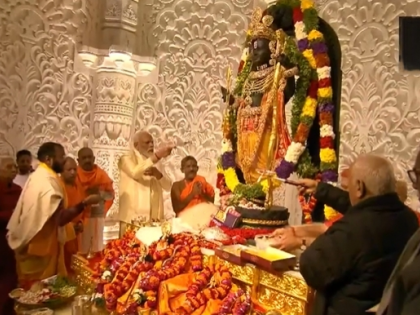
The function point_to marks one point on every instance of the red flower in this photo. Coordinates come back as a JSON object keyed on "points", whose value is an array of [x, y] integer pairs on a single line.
{"points": [[326, 142], [324, 83], [313, 89], [325, 118], [241, 66], [239, 234], [221, 185], [297, 15]]}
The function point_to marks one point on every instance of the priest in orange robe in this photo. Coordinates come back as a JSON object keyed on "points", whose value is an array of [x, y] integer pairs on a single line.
{"points": [[193, 198], [75, 194], [94, 180], [39, 226], [9, 195]]}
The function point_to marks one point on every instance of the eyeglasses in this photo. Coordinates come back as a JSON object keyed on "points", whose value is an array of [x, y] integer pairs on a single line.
{"points": [[413, 175]]}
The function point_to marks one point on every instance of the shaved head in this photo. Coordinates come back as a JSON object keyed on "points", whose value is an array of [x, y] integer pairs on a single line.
{"points": [[143, 143], [69, 171], [84, 150], [8, 169], [86, 159], [370, 175]]}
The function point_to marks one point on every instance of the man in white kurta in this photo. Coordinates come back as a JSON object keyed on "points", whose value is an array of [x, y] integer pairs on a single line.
{"points": [[141, 182]]}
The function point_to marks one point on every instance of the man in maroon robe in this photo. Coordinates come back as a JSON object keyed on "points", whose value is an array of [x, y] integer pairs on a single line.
{"points": [[9, 195]]}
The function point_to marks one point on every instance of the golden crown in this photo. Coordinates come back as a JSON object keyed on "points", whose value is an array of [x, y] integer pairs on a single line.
{"points": [[260, 26]]}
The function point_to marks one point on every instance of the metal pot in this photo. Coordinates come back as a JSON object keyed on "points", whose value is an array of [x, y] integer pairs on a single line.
{"points": [[82, 305]]}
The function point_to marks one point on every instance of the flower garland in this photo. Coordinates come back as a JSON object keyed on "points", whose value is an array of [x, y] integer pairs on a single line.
{"points": [[313, 48], [236, 303], [213, 282], [313, 92]]}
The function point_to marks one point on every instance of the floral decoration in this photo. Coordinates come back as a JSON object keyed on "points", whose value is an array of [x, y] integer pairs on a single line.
{"points": [[313, 93], [236, 303]]}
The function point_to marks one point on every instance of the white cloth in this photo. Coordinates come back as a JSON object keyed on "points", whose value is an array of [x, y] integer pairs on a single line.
{"points": [[93, 230], [198, 216], [140, 195], [21, 179], [39, 200]]}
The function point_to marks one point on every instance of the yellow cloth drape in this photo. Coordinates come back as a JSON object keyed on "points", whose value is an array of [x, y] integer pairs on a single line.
{"points": [[43, 256], [172, 296]]}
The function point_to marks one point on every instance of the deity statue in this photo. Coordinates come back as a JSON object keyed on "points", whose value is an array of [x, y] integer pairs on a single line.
{"points": [[285, 60]]}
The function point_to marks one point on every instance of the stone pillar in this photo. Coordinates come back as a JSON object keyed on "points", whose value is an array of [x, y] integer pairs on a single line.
{"points": [[111, 56], [119, 24]]}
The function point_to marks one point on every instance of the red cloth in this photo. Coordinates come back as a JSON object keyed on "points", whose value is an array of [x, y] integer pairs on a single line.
{"points": [[9, 195]]}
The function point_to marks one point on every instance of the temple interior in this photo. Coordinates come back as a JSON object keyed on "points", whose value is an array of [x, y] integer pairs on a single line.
{"points": [[257, 91]]}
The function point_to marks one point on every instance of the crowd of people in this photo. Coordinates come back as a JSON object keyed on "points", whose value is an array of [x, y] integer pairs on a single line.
{"points": [[367, 258]]}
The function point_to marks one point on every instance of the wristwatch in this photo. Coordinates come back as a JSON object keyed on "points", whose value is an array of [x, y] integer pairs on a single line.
{"points": [[303, 245]]}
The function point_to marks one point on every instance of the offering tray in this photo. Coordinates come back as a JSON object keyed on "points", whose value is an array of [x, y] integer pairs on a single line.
{"points": [[50, 293]]}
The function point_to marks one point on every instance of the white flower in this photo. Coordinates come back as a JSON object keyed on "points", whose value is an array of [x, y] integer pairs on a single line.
{"points": [[107, 274], [294, 152], [300, 31], [324, 73], [137, 293], [226, 146], [97, 296], [333, 184], [327, 131], [245, 54]]}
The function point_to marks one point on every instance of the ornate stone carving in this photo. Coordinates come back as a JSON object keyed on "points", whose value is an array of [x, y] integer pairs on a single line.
{"points": [[130, 13], [113, 9], [114, 110], [194, 43], [379, 112], [41, 97]]}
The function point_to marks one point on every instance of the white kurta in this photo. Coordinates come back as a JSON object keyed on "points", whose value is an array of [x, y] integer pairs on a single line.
{"points": [[140, 195]]}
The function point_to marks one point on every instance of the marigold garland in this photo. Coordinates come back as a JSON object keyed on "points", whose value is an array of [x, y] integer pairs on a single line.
{"points": [[312, 45]]}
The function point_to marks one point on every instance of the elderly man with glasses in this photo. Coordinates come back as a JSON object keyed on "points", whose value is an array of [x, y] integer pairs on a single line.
{"points": [[402, 292]]}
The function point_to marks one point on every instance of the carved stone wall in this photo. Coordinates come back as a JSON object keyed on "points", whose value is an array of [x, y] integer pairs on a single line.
{"points": [[43, 98], [379, 103], [194, 42]]}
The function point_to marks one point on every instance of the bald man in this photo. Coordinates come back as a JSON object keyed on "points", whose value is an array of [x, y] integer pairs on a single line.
{"points": [[141, 181], [9, 196], [402, 292], [92, 179], [349, 264]]}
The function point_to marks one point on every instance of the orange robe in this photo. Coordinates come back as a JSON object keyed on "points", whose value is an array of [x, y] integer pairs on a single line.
{"points": [[96, 178], [199, 212], [93, 227], [75, 195], [42, 255], [207, 189]]}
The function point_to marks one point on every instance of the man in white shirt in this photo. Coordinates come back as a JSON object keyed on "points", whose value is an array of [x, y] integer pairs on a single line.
{"points": [[141, 182], [24, 163]]}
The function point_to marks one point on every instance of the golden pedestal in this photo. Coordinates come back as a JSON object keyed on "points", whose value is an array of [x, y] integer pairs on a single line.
{"points": [[285, 293]]}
